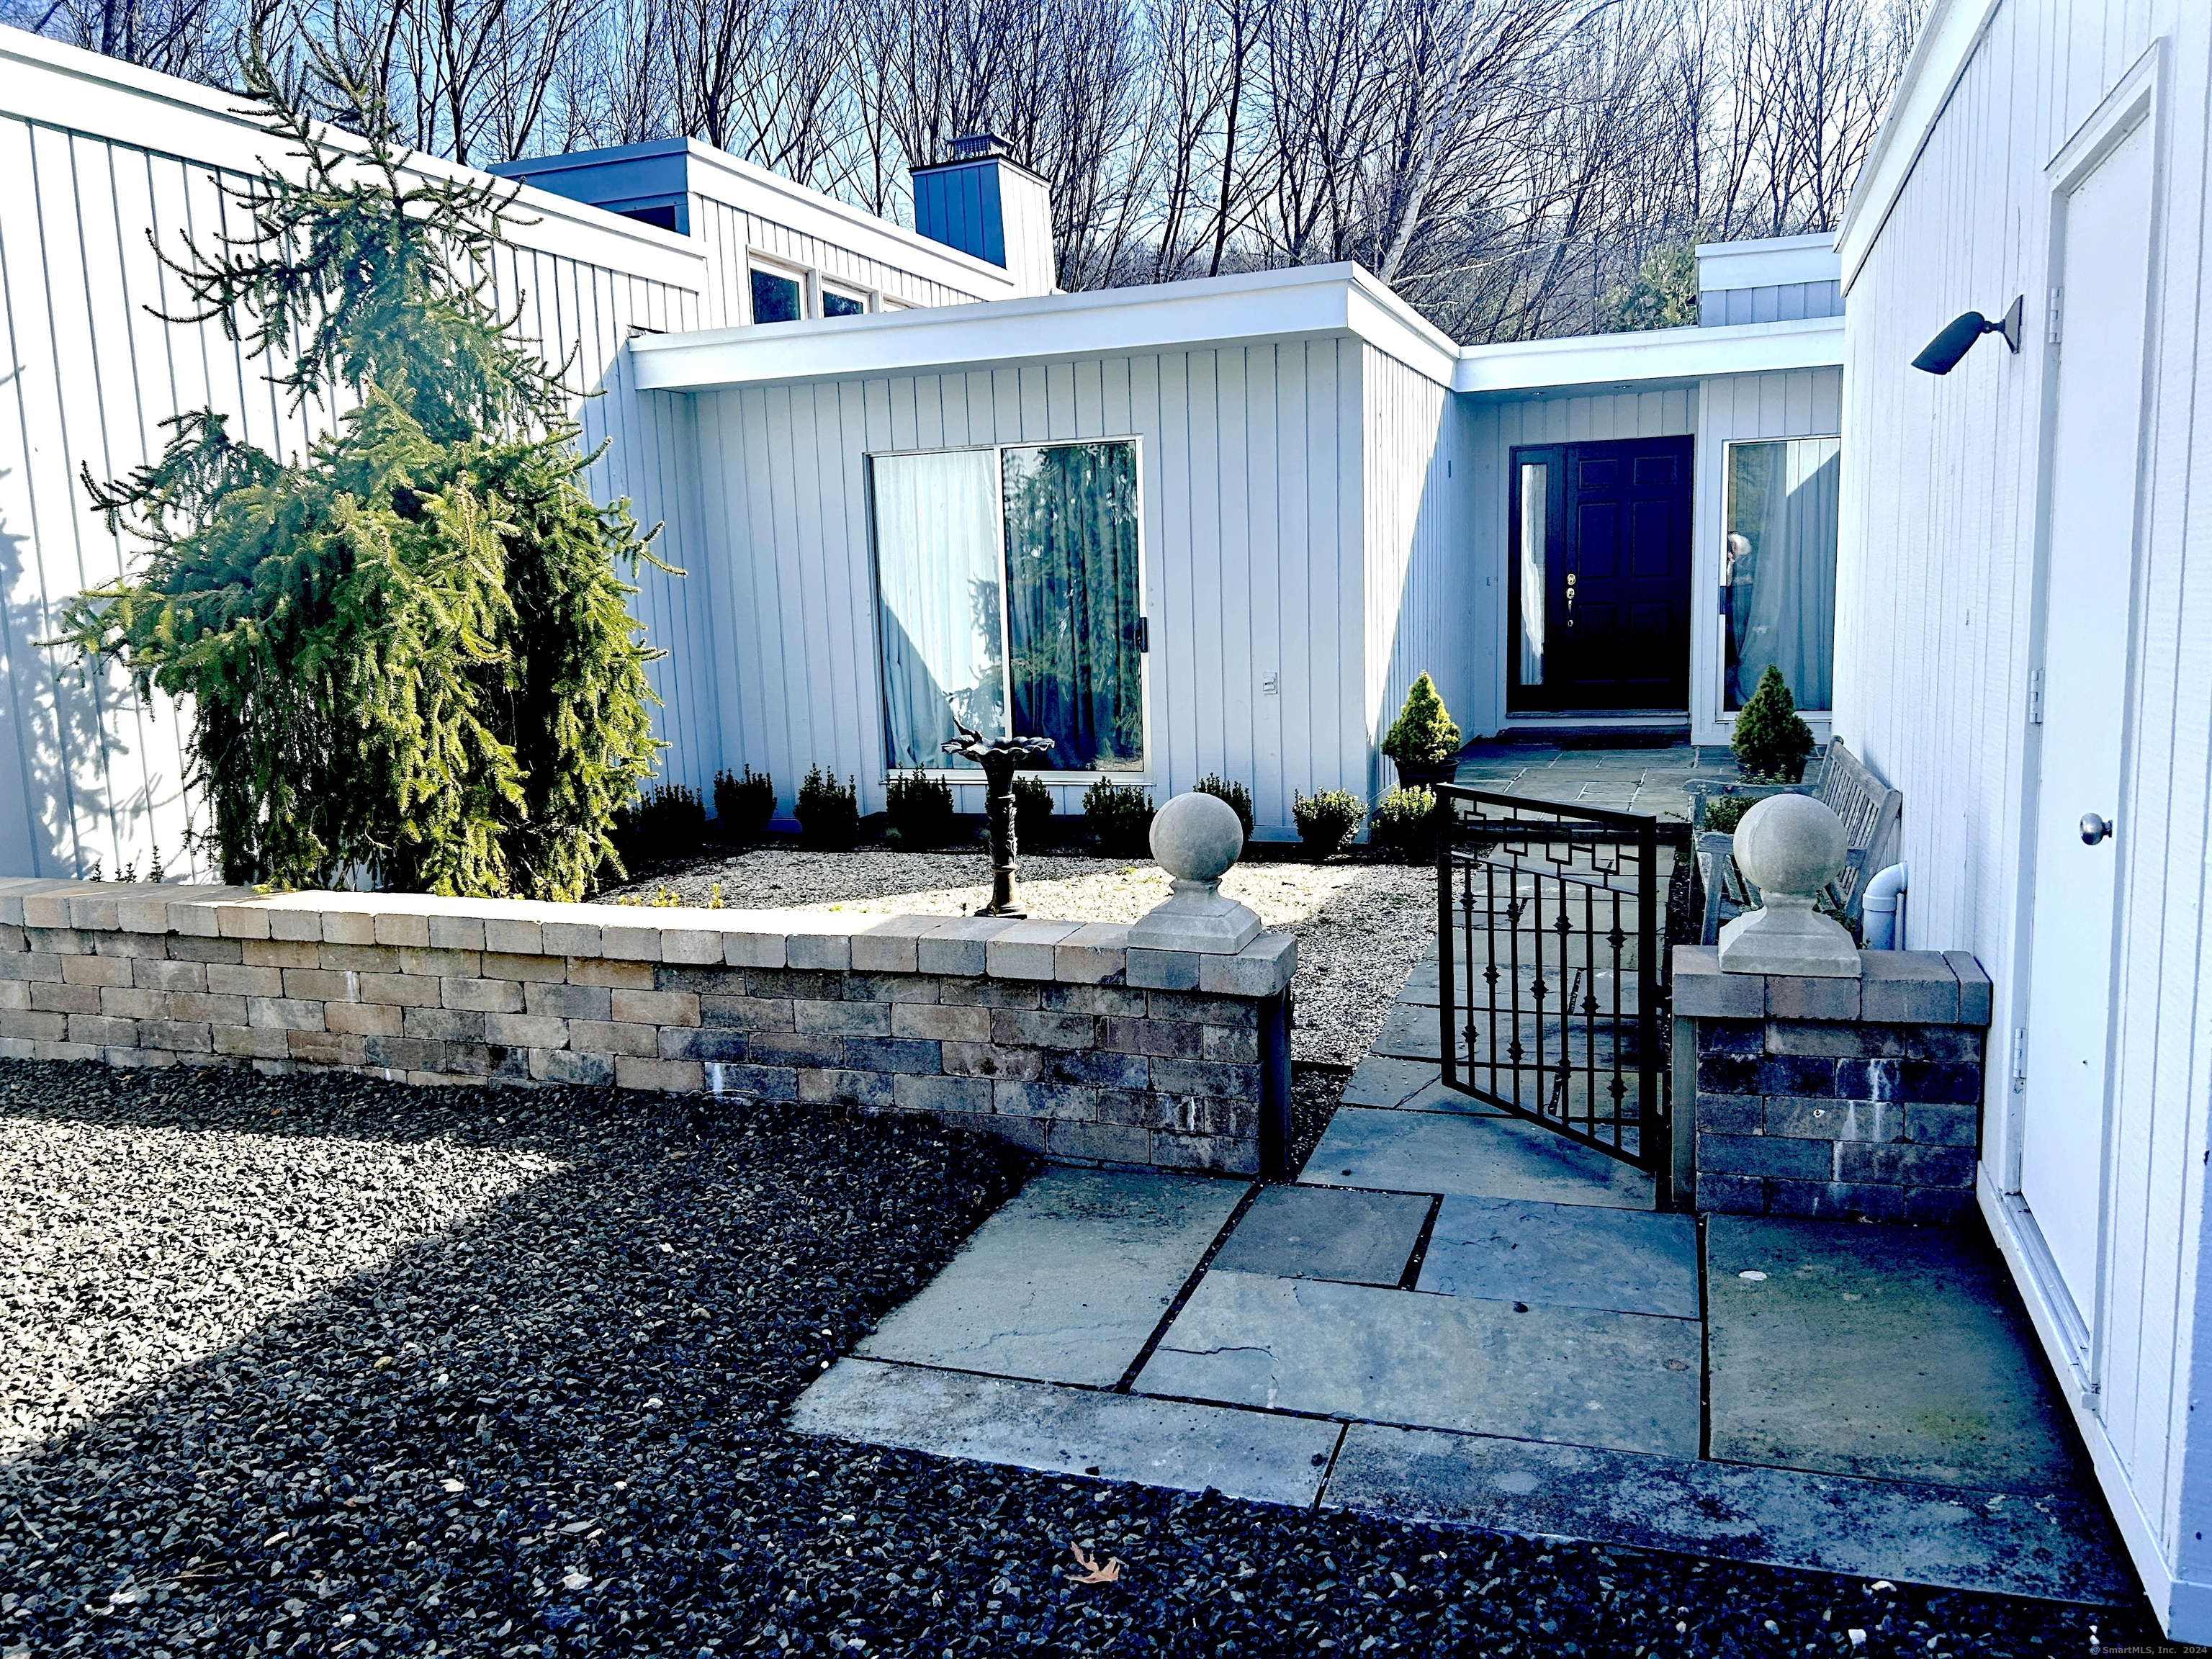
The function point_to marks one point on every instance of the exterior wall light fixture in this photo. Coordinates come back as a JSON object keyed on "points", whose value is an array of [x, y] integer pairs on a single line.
{"points": [[1942, 354]]}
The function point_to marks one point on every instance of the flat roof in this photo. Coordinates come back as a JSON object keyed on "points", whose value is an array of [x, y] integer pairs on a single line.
{"points": [[1308, 302]]}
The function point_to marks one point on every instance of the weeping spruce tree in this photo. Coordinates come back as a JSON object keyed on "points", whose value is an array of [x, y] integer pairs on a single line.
{"points": [[407, 651]]}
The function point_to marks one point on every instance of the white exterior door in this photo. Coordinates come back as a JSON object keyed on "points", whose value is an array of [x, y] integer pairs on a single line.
{"points": [[2103, 305]]}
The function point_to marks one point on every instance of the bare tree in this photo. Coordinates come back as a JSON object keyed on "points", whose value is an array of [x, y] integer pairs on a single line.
{"points": [[1508, 165]]}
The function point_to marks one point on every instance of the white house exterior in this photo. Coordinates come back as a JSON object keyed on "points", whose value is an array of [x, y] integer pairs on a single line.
{"points": [[98, 155], [2024, 638], [1327, 503], [1329, 488]]}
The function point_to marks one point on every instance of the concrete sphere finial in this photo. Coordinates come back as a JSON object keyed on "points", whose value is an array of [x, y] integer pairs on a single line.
{"points": [[1789, 844], [1196, 837]]}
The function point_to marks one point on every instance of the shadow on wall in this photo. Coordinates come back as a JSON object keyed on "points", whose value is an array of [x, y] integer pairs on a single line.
{"points": [[57, 815], [592, 1310]]}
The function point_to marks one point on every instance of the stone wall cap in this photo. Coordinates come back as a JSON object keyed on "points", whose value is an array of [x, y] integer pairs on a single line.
{"points": [[1916, 988], [1081, 953]]}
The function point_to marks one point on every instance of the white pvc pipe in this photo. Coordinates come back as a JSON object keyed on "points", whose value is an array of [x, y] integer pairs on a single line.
{"points": [[1882, 911]]}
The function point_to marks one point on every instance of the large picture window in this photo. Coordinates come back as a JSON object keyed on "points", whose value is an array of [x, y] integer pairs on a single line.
{"points": [[1778, 567], [1007, 583]]}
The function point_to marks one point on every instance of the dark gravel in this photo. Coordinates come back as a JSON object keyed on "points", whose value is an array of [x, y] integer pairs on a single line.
{"points": [[324, 1366]]}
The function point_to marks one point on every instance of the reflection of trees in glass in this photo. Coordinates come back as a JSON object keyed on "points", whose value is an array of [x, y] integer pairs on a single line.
{"points": [[1072, 618]]}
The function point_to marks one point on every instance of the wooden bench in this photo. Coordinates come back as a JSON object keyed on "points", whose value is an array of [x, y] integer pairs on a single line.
{"points": [[1870, 811]]}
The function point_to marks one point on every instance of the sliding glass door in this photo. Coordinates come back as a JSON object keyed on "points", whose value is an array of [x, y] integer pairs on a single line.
{"points": [[1008, 590]]}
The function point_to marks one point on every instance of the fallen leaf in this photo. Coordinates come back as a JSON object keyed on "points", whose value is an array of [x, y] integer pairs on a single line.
{"points": [[1092, 1573]]}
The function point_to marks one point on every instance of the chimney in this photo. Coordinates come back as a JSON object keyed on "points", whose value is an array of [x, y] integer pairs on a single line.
{"points": [[983, 201]]}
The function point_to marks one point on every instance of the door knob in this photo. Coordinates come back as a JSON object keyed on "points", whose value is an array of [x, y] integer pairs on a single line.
{"points": [[2094, 828]]}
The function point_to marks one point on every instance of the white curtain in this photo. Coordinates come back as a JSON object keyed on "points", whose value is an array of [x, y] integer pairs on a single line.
{"points": [[937, 571], [1535, 484], [1783, 499]]}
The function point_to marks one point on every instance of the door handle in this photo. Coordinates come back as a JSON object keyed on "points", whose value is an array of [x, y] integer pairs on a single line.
{"points": [[2094, 828], [1570, 598]]}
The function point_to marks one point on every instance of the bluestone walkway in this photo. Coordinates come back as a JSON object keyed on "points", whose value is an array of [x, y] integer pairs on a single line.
{"points": [[1625, 779], [1457, 1317]]}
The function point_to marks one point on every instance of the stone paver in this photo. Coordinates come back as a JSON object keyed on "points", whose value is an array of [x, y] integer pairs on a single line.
{"points": [[1876, 1406], [1627, 779], [1566, 1255], [1326, 1232], [1625, 1381], [1035, 1425], [1067, 1282], [1416, 1085], [2064, 1549], [1469, 1155], [1889, 1351]]}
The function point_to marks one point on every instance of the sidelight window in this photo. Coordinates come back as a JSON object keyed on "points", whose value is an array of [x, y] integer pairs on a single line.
{"points": [[1777, 597], [1536, 487], [1007, 584]]}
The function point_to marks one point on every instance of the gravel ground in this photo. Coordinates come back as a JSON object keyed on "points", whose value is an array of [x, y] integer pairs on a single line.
{"points": [[320, 1365], [1359, 924]]}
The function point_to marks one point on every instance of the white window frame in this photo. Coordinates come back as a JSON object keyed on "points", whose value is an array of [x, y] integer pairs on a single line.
{"points": [[871, 299], [1141, 775], [1717, 690], [776, 266]]}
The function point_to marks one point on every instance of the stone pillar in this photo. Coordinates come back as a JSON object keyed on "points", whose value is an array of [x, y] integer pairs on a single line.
{"points": [[1819, 1096]]}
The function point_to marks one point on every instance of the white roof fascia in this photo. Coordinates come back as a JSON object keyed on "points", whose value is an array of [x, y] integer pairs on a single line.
{"points": [[1769, 262], [1659, 354], [1276, 304], [858, 231], [64, 87], [1947, 38]]}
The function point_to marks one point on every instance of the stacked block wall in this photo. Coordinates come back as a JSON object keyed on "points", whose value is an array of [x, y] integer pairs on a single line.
{"points": [[1853, 1098], [1055, 1034]]}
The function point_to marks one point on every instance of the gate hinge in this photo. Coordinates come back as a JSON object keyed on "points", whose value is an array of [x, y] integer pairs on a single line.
{"points": [[2035, 696], [2019, 1058], [2052, 332]]}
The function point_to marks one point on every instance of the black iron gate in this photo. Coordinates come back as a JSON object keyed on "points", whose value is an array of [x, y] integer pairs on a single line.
{"points": [[1553, 986]]}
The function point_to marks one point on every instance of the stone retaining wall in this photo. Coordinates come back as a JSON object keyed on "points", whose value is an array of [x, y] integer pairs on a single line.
{"points": [[1857, 1097], [1051, 1034]]}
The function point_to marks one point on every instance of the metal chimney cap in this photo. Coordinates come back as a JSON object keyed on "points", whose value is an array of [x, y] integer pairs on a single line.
{"points": [[980, 147]]}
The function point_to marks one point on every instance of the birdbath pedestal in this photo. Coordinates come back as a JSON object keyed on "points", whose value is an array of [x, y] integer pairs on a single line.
{"points": [[999, 758]]}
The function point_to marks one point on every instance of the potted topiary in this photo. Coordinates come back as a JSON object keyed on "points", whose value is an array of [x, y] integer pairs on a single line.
{"points": [[1423, 741], [1771, 741]]}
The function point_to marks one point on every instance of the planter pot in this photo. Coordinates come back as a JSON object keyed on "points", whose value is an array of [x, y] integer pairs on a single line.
{"points": [[1426, 775]]}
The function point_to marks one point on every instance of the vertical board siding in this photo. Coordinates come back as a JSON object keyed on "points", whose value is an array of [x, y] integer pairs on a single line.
{"points": [[1936, 614], [729, 233], [89, 773], [1239, 581], [1422, 569]]}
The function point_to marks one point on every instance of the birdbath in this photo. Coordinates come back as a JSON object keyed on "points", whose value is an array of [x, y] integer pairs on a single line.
{"points": [[1195, 838], [1790, 847], [998, 758]]}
